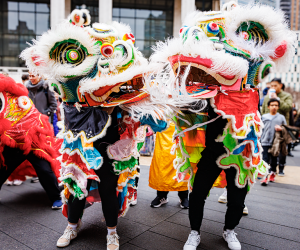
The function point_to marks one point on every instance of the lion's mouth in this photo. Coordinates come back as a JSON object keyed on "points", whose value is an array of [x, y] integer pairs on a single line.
{"points": [[202, 74], [105, 94]]}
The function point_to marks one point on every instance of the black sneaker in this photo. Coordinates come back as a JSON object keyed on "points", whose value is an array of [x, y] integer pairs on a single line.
{"points": [[184, 203], [158, 201], [34, 179]]}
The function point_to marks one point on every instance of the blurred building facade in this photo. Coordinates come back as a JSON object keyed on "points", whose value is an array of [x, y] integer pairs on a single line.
{"points": [[150, 21]]}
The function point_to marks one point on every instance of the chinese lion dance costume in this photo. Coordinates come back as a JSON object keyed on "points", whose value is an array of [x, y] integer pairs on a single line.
{"points": [[23, 127], [96, 69], [221, 57]]}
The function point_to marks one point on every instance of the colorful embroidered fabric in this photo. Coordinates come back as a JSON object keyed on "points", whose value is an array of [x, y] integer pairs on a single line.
{"points": [[240, 137], [188, 147]]}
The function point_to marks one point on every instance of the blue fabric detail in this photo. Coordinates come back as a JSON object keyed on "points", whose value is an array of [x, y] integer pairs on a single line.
{"points": [[119, 115], [250, 137], [156, 127], [94, 185], [121, 197], [92, 157], [55, 127]]}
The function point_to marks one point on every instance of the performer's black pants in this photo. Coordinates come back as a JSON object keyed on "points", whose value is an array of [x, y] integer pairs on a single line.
{"points": [[107, 190], [14, 157], [207, 173], [272, 160]]}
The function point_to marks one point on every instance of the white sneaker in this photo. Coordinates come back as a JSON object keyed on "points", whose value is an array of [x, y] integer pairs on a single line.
{"points": [[193, 241], [245, 211], [223, 197], [69, 234], [112, 242], [17, 182], [230, 237], [9, 183]]}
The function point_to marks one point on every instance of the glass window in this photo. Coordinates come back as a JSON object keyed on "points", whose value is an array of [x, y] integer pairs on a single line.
{"points": [[20, 22], [298, 59], [292, 77], [203, 5], [150, 20], [298, 77]]}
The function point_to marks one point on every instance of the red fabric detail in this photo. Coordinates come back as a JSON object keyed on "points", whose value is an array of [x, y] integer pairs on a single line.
{"points": [[76, 159], [7, 84], [238, 104], [280, 50], [20, 173], [204, 62], [235, 86], [65, 210]]}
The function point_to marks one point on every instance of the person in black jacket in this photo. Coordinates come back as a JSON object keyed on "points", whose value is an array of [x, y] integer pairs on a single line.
{"points": [[43, 99]]}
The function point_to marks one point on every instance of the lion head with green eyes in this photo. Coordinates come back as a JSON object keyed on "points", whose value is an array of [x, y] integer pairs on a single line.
{"points": [[226, 50], [96, 64]]}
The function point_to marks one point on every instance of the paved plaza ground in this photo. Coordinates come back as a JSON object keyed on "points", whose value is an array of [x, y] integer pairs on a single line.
{"points": [[27, 221]]}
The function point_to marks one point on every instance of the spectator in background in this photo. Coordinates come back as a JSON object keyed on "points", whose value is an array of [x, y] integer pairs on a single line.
{"points": [[43, 98], [286, 100], [273, 122], [265, 92], [25, 78]]}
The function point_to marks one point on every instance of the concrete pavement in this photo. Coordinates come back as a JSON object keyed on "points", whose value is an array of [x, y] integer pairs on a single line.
{"points": [[27, 221]]}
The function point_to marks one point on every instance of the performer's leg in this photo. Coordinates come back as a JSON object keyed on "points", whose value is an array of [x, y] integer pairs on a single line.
{"points": [[207, 173], [236, 200], [46, 176], [76, 207], [75, 211], [183, 199], [110, 204], [13, 157], [107, 190]]}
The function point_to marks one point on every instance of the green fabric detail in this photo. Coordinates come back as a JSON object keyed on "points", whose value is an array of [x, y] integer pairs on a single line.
{"points": [[229, 142], [192, 180], [54, 85], [263, 73], [68, 41], [73, 185], [140, 145], [98, 43], [120, 166], [251, 25], [248, 188]]}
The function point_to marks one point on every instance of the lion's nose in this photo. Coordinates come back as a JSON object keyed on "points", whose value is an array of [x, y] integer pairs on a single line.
{"points": [[212, 29], [107, 49]]}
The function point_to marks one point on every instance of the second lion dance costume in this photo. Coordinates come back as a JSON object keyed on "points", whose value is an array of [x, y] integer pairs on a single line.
{"points": [[26, 134], [219, 59], [95, 69]]}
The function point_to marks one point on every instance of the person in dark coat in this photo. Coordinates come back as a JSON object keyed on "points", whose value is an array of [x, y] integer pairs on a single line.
{"points": [[43, 98]]}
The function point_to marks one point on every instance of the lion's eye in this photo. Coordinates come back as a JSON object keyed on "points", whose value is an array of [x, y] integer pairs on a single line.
{"points": [[253, 31], [68, 52], [2, 102]]}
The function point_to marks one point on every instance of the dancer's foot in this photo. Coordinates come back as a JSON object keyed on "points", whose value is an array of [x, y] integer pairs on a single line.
{"points": [[57, 205], [112, 241], [223, 197], [9, 183], [17, 182], [245, 211], [231, 239], [272, 177], [69, 234], [158, 201], [193, 241], [184, 203], [34, 179]]}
